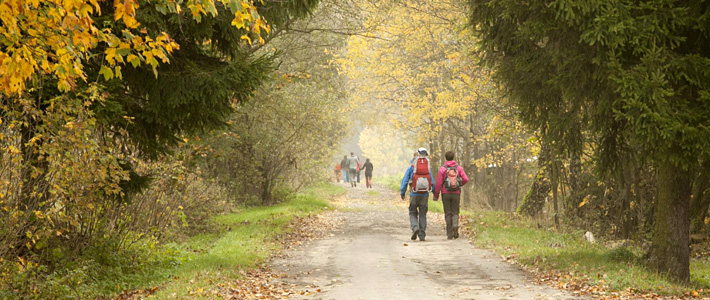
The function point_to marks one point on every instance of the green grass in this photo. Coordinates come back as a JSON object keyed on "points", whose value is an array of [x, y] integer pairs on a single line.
{"points": [[245, 239], [393, 182], [390, 181], [436, 206], [619, 268], [373, 193]]}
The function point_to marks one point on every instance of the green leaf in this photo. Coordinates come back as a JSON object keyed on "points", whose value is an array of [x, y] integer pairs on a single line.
{"points": [[106, 71], [117, 70]]}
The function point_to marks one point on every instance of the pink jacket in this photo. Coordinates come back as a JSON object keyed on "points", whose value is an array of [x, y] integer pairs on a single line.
{"points": [[439, 188]]}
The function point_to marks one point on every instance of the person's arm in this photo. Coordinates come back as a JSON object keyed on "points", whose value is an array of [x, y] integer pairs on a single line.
{"points": [[431, 176], [405, 182], [464, 177], [439, 184]]}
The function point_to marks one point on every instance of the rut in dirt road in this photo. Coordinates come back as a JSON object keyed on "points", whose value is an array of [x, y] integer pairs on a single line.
{"points": [[370, 256]]}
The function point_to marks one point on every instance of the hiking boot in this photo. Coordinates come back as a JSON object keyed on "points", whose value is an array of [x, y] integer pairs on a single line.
{"points": [[449, 238], [456, 232], [422, 239], [414, 235]]}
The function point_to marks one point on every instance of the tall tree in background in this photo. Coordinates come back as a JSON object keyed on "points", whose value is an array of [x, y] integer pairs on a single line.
{"points": [[633, 73], [416, 70], [284, 139]]}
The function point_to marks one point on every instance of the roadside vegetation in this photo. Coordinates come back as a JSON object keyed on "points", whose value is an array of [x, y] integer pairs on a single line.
{"points": [[240, 241], [392, 182], [121, 141], [231, 244], [567, 260]]}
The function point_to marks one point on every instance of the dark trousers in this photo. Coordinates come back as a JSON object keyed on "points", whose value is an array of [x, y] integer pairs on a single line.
{"points": [[418, 207], [452, 204]]}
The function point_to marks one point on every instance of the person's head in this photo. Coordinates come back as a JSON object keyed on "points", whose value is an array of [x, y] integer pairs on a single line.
{"points": [[422, 151], [367, 159], [449, 155], [345, 156], [352, 153]]}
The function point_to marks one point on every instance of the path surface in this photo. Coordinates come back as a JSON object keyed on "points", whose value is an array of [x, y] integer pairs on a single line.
{"points": [[370, 256]]}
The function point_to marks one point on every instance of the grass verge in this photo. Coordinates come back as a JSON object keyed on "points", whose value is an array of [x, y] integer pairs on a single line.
{"points": [[390, 181], [242, 241], [620, 269]]}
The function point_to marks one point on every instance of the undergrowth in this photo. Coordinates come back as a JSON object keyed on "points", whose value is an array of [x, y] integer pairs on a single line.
{"points": [[236, 241], [619, 268]]}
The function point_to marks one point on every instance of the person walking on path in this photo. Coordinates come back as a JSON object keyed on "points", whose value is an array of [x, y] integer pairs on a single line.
{"points": [[368, 173], [419, 180], [345, 167], [449, 181], [353, 162]]}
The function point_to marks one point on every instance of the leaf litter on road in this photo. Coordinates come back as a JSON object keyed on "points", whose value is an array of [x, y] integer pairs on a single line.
{"points": [[262, 282]]}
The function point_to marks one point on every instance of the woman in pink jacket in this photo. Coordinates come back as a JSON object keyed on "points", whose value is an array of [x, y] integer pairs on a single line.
{"points": [[449, 181]]}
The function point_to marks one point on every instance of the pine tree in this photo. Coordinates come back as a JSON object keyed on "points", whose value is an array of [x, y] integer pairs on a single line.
{"points": [[632, 72]]}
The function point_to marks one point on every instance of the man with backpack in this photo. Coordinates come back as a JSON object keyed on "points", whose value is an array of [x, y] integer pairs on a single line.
{"points": [[353, 163], [450, 179], [419, 180]]}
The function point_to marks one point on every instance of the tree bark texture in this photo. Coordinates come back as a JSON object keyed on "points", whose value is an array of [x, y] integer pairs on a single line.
{"points": [[670, 251]]}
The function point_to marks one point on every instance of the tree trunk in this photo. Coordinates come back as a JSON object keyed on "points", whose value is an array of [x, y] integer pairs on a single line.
{"points": [[534, 200], [555, 184], [576, 195], [625, 186], [670, 252], [466, 161], [700, 201]]}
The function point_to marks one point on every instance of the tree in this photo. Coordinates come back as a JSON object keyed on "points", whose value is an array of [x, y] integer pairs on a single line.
{"points": [[634, 73], [284, 139], [57, 37], [94, 78], [416, 69]]}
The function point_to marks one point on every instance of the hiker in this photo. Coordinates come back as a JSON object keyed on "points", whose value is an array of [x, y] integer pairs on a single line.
{"points": [[353, 162], [338, 172], [345, 167], [368, 173], [449, 181], [420, 181]]}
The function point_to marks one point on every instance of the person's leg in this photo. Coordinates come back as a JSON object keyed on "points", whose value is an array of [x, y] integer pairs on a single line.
{"points": [[423, 207], [345, 175], [413, 217], [353, 175], [455, 206], [446, 201]]}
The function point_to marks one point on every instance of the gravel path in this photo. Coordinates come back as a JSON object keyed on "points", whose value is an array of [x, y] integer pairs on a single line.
{"points": [[369, 255]]}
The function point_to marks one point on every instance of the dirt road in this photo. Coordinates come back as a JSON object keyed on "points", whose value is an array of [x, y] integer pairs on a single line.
{"points": [[370, 256]]}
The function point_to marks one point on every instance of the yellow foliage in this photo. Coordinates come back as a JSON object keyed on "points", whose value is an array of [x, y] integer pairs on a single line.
{"points": [[54, 37]]}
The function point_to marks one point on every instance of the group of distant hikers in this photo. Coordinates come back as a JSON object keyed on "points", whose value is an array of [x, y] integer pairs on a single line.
{"points": [[420, 181], [350, 168]]}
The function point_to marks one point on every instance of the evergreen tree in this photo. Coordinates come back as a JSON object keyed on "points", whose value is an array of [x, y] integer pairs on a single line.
{"points": [[633, 73]]}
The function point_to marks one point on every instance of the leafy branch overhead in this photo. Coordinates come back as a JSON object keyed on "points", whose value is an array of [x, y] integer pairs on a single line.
{"points": [[57, 37]]}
